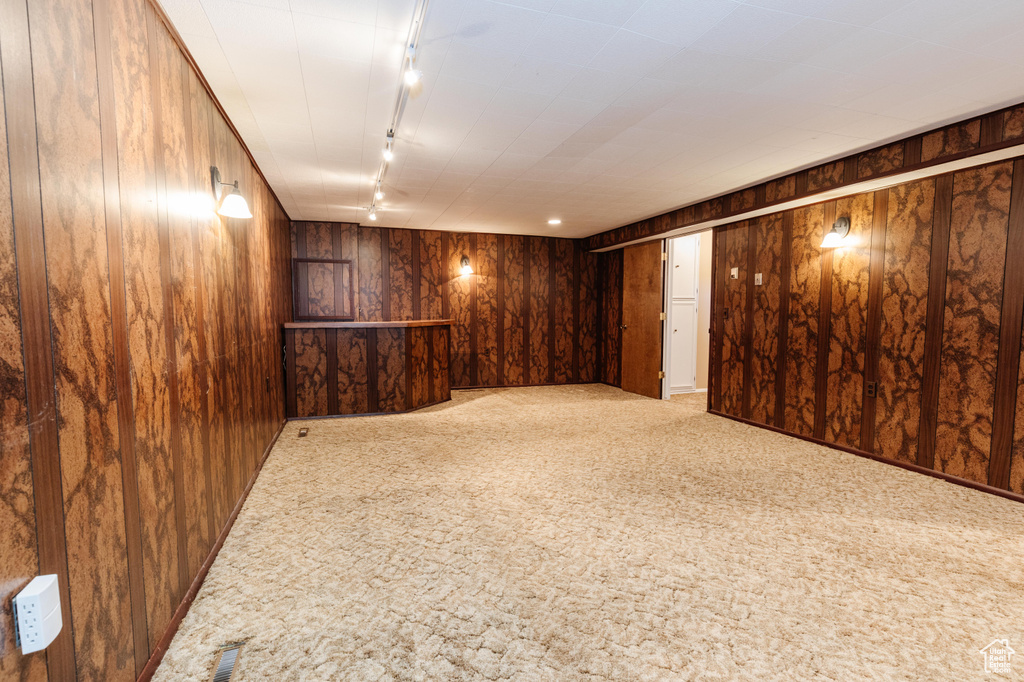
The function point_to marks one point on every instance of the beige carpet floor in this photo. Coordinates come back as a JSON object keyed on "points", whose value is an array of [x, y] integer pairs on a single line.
{"points": [[575, 533]]}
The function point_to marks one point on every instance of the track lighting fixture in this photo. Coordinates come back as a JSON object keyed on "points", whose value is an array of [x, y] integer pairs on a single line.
{"points": [[836, 236], [230, 204], [373, 214], [379, 194]]}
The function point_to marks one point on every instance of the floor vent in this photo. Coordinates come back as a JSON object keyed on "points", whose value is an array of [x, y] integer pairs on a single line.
{"points": [[226, 664]]}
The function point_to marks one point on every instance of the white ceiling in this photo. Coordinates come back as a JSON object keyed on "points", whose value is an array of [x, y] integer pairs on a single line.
{"points": [[598, 112]]}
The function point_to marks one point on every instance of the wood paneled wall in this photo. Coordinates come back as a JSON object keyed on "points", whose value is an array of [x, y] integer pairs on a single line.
{"points": [[140, 353], [528, 315], [926, 305], [963, 139]]}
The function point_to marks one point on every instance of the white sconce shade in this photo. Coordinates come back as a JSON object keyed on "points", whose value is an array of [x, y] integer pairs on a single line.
{"points": [[837, 235], [230, 204], [467, 269]]}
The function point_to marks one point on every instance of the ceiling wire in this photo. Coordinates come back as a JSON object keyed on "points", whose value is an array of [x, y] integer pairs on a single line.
{"points": [[408, 59]]}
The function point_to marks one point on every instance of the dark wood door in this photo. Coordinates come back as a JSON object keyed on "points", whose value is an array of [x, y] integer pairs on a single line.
{"points": [[641, 318]]}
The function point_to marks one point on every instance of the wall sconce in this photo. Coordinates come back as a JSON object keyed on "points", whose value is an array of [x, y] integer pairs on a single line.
{"points": [[229, 204], [467, 269], [835, 236]]}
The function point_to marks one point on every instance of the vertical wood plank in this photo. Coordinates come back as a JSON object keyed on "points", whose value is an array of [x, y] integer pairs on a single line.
{"points": [[764, 316], [970, 341], [786, 272], [803, 324], [19, 560], [539, 316], [1007, 395], [370, 270], [824, 327], [487, 328], [460, 297], [879, 220], [514, 321]]}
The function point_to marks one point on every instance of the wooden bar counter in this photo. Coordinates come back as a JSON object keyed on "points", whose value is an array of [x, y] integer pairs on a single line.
{"points": [[341, 368]]}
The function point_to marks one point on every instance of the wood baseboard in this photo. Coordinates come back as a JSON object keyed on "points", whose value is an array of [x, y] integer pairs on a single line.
{"points": [[974, 485], [179, 614]]}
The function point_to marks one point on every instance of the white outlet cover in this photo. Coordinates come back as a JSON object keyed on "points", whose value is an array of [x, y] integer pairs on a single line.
{"points": [[758, 281], [39, 618], [734, 273]]}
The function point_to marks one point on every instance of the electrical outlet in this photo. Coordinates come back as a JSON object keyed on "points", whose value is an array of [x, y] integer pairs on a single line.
{"points": [[758, 279], [872, 389], [37, 614], [734, 273]]}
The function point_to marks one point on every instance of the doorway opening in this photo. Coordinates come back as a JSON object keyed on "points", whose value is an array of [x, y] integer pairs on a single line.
{"points": [[688, 306]]}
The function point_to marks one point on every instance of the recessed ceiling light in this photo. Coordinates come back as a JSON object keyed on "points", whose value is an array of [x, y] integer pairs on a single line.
{"points": [[554, 221]]}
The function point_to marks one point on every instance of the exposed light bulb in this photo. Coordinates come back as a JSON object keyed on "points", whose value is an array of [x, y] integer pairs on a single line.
{"points": [[373, 214], [413, 76], [466, 268], [388, 154], [378, 195], [554, 221]]}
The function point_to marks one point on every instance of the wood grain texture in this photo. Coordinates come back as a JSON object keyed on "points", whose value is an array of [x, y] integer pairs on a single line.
{"points": [[19, 559], [589, 291], [641, 304], [970, 342], [352, 372], [370, 272], [611, 323], [391, 385], [512, 327], [137, 133], [733, 312], [538, 353], [400, 273], [187, 315], [847, 341], [801, 351], [881, 160], [440, 344], [460, 297], [1013, 124], [783, 188], [487, 309], [565, 323], [908, 245], [419, 347], [825, 177], [310, 372], [433, 275], [951, 140], [764, 326], [70, 153]]}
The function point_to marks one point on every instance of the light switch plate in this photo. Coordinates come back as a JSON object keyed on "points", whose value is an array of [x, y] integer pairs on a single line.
{"points": [[734, 273], [758, 280]]}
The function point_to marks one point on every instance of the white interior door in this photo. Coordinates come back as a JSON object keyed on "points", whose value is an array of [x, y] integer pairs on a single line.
{"points": [[682, 328]]}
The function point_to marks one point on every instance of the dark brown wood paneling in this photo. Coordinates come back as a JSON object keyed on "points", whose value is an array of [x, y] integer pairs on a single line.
{"points": [[872, 329], [719, 275], [440, 345], [847, 342], [611, 322], [391, 384], [1007, 400], [951, 140], [904, 308], [970, 343], [824, 328], [419, 349], [400, 274], [310, 372], [589, 291], [538, 352], [881, 160], [732, 345], [563, 341], [764, 347], [512, 328], [371, 288], [19, 558], [433, 280], [137, 83], [487, 297], [352, 372], [786, 273], [460, 297], [804, 302], [72, 188]]}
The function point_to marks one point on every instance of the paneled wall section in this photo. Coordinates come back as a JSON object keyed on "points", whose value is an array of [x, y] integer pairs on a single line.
{"points": [[905, 344], [140, 358], [528, 315]]}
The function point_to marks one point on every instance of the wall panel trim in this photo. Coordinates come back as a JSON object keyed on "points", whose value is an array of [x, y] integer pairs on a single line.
{"points": [[934, 320], [873, 327]]}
